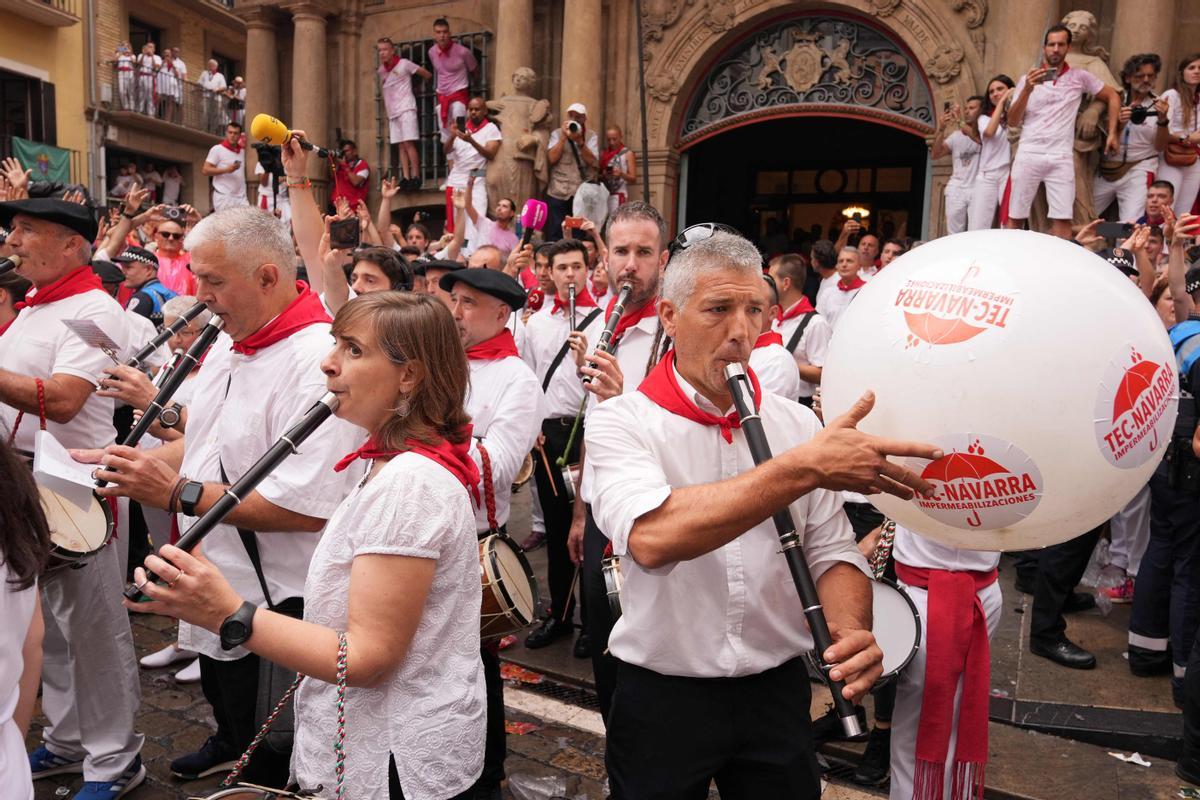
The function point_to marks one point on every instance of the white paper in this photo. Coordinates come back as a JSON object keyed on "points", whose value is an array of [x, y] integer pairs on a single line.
{"points": [[54, 468], [1136, 758], [90, 332]]}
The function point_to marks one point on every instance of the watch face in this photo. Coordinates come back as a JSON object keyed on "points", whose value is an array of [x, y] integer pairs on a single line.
{"points": [[233, 632]]}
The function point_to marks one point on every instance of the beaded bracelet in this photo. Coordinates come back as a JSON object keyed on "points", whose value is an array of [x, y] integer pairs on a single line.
{"points": [[304, 183]]}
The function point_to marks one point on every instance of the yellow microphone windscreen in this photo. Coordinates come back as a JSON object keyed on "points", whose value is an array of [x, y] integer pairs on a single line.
{"points": [[265, 128]]}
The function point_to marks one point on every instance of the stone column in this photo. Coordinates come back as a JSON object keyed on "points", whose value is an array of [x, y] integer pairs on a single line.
{"points": [[1017, 32], [1143, 26], [582, 68], [514, 42], [310, 102], [262, 74]]}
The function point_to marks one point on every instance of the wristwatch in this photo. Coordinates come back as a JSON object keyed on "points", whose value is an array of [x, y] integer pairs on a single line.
{"points": [[238, 626], [190, 496], [169, 417]]}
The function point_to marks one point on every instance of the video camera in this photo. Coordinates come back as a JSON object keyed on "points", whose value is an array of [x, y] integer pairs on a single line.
{"points": [[269, 157]]}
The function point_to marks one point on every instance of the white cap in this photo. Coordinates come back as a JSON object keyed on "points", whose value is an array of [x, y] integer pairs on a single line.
{"points": [[578, 108]]}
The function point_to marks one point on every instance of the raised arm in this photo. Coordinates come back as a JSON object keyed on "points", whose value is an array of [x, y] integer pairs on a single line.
{"points": [[307, 225], [1186, 227], [383, 218]]}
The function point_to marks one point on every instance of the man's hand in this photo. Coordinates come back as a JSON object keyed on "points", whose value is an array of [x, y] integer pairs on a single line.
{"points": [[1112, 144], [1125, 115], [389, 188], [1087, 235], [607, 378], [129, 385], [1138, 241], [17, 177], [342, 205], [194, 591], [856, 659], [1187, 228], [519, 260], [76, 197], [1036, 75], [193, 216], [459, 196], [850, 460], [136, 474], [294, 157], [579, 347], [575, 540], [134, 199]]}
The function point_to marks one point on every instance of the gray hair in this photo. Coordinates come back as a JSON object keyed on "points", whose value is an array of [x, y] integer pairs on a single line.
{"points": [[176, 306], [719, 252], [249, 235]]}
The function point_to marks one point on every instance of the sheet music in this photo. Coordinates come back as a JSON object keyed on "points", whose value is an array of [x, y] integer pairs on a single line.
{"points": [[54, 468], [90, 332]]}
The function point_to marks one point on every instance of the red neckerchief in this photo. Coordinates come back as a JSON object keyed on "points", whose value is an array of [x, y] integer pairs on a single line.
{"points": [[391, 63], [455, 458], [956, 645], [305, 310], [472, 127], [630, 318], [582, 300], [858, 284], [663, 389], [499, 346], [1061, 71], [608, 155], [231, 147], [768, 338], [802, 306], [77, 281]]}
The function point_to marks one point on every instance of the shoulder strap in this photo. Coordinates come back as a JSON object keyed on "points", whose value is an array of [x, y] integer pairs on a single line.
{"points": [[795, 340], [583, 174], [250, 542], [562, 351]]}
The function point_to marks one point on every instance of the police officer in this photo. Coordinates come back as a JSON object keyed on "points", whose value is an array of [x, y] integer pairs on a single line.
{"points": [[141, 275]]}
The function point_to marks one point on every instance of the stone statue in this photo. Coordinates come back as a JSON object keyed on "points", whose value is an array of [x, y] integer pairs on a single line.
{"points": [[520, 169], [1085, 54]]}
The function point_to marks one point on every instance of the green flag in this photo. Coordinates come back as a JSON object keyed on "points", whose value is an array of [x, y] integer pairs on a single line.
{"points": [[48, 163]]}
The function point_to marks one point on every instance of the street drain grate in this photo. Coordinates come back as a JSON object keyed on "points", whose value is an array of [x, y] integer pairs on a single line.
{"points": [[571, 695]]}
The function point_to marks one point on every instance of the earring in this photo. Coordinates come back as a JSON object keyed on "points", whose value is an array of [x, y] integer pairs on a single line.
{"points": [[402, 407]]}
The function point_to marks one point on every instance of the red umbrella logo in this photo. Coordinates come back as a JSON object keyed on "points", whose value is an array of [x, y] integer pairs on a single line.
{"points": [[971, 465], [1136, 380], [936, 330]]}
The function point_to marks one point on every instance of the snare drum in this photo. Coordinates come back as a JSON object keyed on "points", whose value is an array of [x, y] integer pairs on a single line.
{"points": [[523, 474], [896, 627], [611, 567], [510, 591], [76, 534], [570, 479]]}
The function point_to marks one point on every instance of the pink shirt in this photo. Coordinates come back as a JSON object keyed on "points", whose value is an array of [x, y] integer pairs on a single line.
{"points": [[452, 67], [1049, 124], [176, 273]]}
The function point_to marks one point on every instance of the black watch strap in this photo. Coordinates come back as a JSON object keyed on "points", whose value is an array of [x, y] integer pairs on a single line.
{"points": [[170, 416], [238, 626], [190, 496]]}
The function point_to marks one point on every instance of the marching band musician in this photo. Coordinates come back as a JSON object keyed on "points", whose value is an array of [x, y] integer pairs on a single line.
{"points": [[548, 337], [770, 360], [805, 333], [397, 570], [710, 626], [90, 690], [637, 239], [260, 374], [506, 405]]}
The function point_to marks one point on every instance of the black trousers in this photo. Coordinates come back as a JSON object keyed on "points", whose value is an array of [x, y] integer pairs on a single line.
{"points": [[231, 688], [557, 511], [669, 736], [1059, 568], [495, 748], [597, 619], [1190, 757]]}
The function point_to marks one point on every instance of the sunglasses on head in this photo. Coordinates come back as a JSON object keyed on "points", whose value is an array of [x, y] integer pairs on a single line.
{"points": [[169, 235], [698, 233]]}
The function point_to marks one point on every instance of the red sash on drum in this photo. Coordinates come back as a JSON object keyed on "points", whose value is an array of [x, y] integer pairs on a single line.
{"points": [[956, 645]]}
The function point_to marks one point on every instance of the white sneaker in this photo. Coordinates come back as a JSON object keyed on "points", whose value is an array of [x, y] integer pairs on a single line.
{"points": [[166, 657], [189, 674]]}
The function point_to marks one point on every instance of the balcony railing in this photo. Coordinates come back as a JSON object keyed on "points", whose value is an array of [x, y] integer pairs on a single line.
{"points": [[58, 13], [433, 159], [165, 97]]}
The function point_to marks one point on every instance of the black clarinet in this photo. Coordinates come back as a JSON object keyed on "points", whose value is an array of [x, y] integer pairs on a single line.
{"points": [[172, 383], [743, 400], [610, 327], [287, 444], [166, 333]]}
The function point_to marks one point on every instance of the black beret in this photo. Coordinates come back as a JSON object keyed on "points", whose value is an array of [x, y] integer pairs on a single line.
{"points": [[488, 281], [447, 266], [70, 215], [107, 271]]}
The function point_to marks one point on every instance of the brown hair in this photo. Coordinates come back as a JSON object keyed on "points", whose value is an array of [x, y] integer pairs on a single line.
{"points": [[791, 265], [1187, 95], [24, 533], [417, 329], [1161, 284]]}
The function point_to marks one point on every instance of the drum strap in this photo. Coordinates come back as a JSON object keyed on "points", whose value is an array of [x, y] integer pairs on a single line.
{"points": [[41, 396], [795, 340], [562, 352], [489, 491]]}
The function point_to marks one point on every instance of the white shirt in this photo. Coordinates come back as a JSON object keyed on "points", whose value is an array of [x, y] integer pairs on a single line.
{"points": [[467, 158], [231, 183], [731, 612], [16, 609], [506, 406], [1140, 142], [776, 370], [916, 551], [431, 711], [543, 336], [397, 87], [212, 81], [813, 345], [1049, 123], [281, 192], [996, 151], [39, 345], [171, 185], [1175, 115], [267, 393], [965, 154], [148, 64], [141, 331], [831, 303]]}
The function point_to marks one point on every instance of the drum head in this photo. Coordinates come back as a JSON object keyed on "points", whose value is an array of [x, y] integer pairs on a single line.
{"points": [[74, 530], [247, 793], [511, 574], [897, 627]]}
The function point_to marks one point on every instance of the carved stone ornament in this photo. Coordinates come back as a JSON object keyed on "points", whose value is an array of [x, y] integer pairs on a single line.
{"points": [[882, 8], [945, 64], [720, 15], [974, 10], [658, 15], [662, 87]]}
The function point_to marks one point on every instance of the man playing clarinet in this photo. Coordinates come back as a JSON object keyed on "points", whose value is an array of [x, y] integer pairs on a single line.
{"points": [[711, 627]]}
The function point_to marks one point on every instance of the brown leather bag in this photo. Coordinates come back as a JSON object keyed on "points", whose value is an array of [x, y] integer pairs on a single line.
{"points": [[1180, 154]]}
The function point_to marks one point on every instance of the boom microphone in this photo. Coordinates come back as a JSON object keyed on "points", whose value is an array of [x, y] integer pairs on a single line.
{"points": [[7, 265], [533, 218], [269, 130]]}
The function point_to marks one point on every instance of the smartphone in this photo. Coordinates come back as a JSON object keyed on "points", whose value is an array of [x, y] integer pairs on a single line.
{"points": [[572, 222], [946, 107], [460, 123], [1115, 230], [1051, 75], [344, 234]]}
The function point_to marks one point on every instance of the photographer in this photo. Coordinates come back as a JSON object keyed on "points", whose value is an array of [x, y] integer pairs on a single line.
{"points": [[474, 141], [225, 164], [350, 175], [572, 153], [958, 137], [1124, 177]]}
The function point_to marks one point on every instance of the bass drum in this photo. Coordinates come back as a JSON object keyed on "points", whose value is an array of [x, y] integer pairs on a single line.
{"points": [[76, 534], [254, 793], [510, 590]]}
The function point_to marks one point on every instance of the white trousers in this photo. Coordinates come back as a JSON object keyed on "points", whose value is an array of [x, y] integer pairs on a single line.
{"points": [[1131, 532], [221, 201], [125, 89], [90, 689], [986, 194], [958, 202], [1186, 181], [1129, 191], [147, 103], [910, 691], [479, 201]]}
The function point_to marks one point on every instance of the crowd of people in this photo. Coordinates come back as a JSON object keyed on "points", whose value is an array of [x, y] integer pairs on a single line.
{"points": [[442, 366], [156, 85]]}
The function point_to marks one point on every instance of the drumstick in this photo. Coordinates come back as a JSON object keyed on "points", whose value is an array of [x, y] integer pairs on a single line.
{"points": [[571, 592], [546, 463]]}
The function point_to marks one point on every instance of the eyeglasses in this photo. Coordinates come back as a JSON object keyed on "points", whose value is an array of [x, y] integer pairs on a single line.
{"points": [[698, 233], [169, 235]]}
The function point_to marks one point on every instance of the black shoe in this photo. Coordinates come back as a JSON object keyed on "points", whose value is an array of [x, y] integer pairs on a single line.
{"points": [[413, 184], [583, 645], [550, 630], [877, 759], [1079, 601], [1188, 770], [1146, 668], [1065, 653], [828, 727], [211, 758]]}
